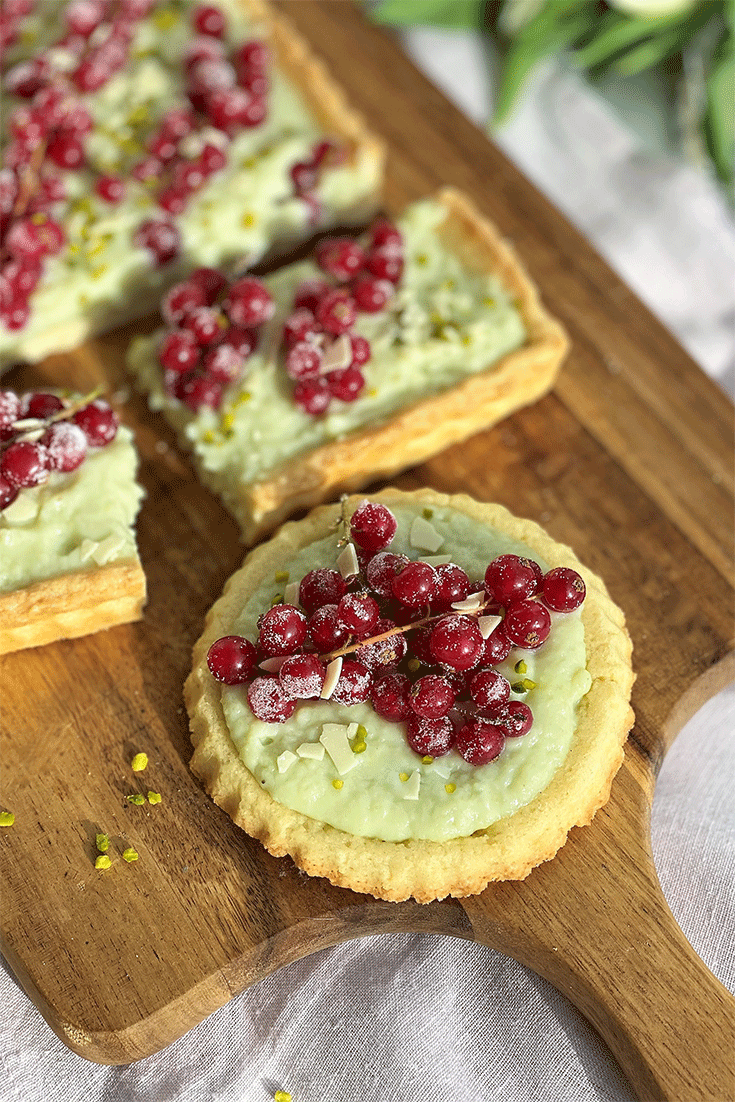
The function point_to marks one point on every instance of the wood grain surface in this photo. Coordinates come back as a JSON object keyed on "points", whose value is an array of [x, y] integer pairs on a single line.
{"points": [[629, 460]]}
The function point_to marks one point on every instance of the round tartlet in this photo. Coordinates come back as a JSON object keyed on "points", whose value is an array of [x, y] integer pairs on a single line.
{"points": [[507, 849]]}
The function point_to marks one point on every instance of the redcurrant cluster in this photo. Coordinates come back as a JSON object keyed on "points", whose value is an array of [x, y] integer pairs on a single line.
{"points": [[212, 330], [322, 355], [40, 433], [419, 642]]}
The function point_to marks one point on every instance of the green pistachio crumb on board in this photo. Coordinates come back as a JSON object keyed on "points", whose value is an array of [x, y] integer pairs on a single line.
{"points": [[129, 855], [102, 842], [102, 862], [7, 818], [139, 762], [154, 797], [281, 1096], [136, 798]]}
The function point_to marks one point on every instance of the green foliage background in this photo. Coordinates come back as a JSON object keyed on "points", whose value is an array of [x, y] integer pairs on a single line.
{"points": [[679, 66]]}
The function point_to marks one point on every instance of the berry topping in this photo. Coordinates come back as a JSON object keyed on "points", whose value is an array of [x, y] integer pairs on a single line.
{"points": [[527, 624], [340, 257], [199, 390], [98, 422], [416, 585], [434, 737], [269, 701], [390, 696], [302, 676], [359, 612], [346, 383], [312, 395], [326, 630], [321, 587], [383, 654], [180, 300], [24, 464], [8, 492], [249, 303], [110, 188], [516, 719], [479, 742], [353, 686], [563, 589], [336, 312], [432, 696], [371, 295], [373, 527], [456, 641], [209, 20], [452, 585], [66, 446], [489, 689], [282, 630], [303, 360], [162, 239], [9, 412], [510, 578], [231, 659], [179, 351], [41, 405]]}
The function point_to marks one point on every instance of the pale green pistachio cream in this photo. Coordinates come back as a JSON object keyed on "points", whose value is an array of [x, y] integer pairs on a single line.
{"points": [[387, 791], [75, 521], [443, 324], [234, 218]]}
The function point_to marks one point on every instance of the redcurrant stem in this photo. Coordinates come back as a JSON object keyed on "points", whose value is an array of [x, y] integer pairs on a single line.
{"points": [[399, 629]]}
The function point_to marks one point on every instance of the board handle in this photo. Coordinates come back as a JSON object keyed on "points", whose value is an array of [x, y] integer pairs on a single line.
{"points": [[615, 950]]}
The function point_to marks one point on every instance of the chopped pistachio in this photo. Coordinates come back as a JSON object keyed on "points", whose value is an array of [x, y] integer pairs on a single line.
{"points": [[359, 746], [281, 575], [427, 759], [362, 731], [154, 797], [414, 665], [523, 686], [247, 220], [7, 818], [136, 799], [337, 783], [129, 855], [427, 513], [277, 599], [450, 788], [139, 762], [281, 1096], [403, 777], [103, 862], [102, 842], [520, 667]]}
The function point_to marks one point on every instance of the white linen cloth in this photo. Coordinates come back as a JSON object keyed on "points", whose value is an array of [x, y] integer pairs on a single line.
{"points": [[419, 1018]]}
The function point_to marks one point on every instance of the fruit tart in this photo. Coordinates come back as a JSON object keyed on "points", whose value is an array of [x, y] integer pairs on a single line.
{"points": [[412, 695], [68, 501], [141, 138], [375, 354]]}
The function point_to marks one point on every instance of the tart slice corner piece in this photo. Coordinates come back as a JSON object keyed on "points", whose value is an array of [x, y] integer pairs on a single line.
{"points": [[69, 564], [458, 743]]}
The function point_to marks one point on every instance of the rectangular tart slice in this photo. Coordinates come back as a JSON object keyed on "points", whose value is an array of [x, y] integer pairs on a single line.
{"points": [[68, 501], [140, 139], [374, 357]]}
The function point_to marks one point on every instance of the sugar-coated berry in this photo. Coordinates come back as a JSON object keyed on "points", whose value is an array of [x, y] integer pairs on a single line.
{"points": [[162, 239], [432, 696], [209, 20], [9, 412], [516, 719], [8, 492], [390, 697], [310, 293], [353, 686], [303, 360], [110, 188], [223, 363], [249, 303], [210, 281], [452, 585], [99, 423], [326, 630], [268, 700], [340, 257], [373, 527], [563, 589], [480, 742], [179, 351], [205, 323], [302, 676], [527, 624], [360, 350], [489, 689], [456, 641], [497, 647], [282, 630], [371, 295], [345, 383], [383, 232], [430, 736], [321, 586], [385, 264], [24, 464], [298, 326], [66, 446], [196, 391], [41, 405], [336, 312], [383, 654], [231, 659], [510, 578], [359, 612], [312, 395], [382, 569], [181, 299], [415, 585]]}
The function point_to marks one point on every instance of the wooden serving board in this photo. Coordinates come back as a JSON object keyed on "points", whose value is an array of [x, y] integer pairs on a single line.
{"points": [[629, 461]]}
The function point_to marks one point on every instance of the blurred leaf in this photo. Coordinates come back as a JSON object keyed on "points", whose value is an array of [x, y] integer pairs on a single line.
{"points": [[618, 33], [658, 49], [719, 120], [556, 26], [435, 13]]}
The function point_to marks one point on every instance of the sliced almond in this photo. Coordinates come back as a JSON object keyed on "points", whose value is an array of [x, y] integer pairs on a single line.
{"points": [[488, 624], [471, 603], [334, 669], [347, 563]]}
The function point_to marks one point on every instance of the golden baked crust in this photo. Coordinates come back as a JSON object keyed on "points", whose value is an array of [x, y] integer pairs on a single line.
{"points": [[508, 849], [426, 427], [329, 105], [70, 605]]}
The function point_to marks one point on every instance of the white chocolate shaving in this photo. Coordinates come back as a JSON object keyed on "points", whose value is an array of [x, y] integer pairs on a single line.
{"points": [[424, 535], [334, 740], [334, 669], [437, 560], [108, 548], [291, 593], [87, 549], [22, 510], [488, 624], [313, 750], [273, 665], [412, 786], [337, 355], [441, 768], [471, 603], [285, 760], [347, 563]]}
